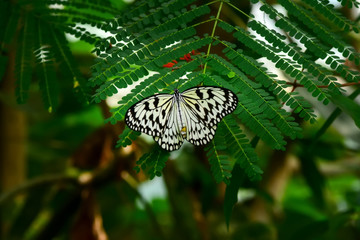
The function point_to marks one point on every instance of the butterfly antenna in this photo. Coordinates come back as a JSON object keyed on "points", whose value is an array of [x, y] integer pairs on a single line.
{"points": [[200, 60], [177, 84]]}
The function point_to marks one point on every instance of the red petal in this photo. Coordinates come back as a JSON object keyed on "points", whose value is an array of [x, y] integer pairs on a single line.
{"points": [[169, 65]]}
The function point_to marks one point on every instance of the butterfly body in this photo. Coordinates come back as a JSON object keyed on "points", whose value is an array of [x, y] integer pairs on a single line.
{"points": [[191, 115], [181, 124]]}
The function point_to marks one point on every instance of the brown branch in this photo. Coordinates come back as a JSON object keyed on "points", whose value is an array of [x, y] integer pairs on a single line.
{"points": [[43, 180], [295, 85]]}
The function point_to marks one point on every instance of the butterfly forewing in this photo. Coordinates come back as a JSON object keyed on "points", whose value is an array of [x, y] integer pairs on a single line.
{"points": [[150, 115], [191, 115], [210, 104]]}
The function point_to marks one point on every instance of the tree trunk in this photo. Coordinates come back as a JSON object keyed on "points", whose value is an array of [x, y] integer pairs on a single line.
{"points": [[13, 133]]}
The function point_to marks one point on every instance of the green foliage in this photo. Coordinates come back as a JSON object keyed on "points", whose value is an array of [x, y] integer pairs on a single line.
{"points": [[249, 66], [349, 3], [38, 29], [153, 162], [154, 33], [148, 87], [327, 10], [243, 152], [231, 193], [24, 59], [151, 34], [289, 67], [321, 31], [46, 68], [220, 162], [313, 45], [348, 106], [126, 137], [231, 142]]}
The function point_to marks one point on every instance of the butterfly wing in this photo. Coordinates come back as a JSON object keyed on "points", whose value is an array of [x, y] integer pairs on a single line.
{"points": [[210, 104], [150, 115], [171, 138], [195, 117], [197, 132], [157, 117]]}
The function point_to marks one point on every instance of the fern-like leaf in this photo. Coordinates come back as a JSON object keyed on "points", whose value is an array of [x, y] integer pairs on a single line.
{"points": [[320, 30], [266, 103], [349, 3], [249, 66], [24, 59], [45, 68], [126, 137], [220, 162], [312, 44], [153, 162], [36, 50], [68, 66], [252, 116], [240, 148], [294, 52], [283, 63], [327, 10], [132, 75]]}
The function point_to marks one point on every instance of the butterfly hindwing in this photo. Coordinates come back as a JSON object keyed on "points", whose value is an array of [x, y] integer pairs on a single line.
{"points": [[171, 138], [197, 132]]}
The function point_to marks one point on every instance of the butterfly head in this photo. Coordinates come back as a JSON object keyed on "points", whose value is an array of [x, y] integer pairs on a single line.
{"points": [[176, 91]]}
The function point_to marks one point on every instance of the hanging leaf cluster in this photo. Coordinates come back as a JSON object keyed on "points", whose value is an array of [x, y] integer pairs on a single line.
{"points": [[34, 31], [152, 38]]}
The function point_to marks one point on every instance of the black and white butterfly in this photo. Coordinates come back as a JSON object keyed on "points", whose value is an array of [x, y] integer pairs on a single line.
{"points": [[192, 115]]}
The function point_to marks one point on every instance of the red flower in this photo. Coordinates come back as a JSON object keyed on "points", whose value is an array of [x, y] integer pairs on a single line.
{"points": [[187, 58], [194, 53], [169, 65]]}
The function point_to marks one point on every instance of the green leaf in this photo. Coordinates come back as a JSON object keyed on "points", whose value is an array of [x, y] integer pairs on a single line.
{"points": [[240, 148], [153, 162], [24, 59], [126, 137], [46, 68], [220, 162], [9, 19], [348, 106], [231, 193], [68, 66]]}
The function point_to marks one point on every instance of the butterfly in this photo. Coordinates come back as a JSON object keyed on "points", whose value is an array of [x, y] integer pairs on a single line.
{"points": [[192, 115]]}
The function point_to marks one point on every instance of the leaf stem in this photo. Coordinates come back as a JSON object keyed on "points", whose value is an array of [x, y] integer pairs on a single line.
{"points": [[330, 120], [295, 84], [239, 10], [213, 33]]}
